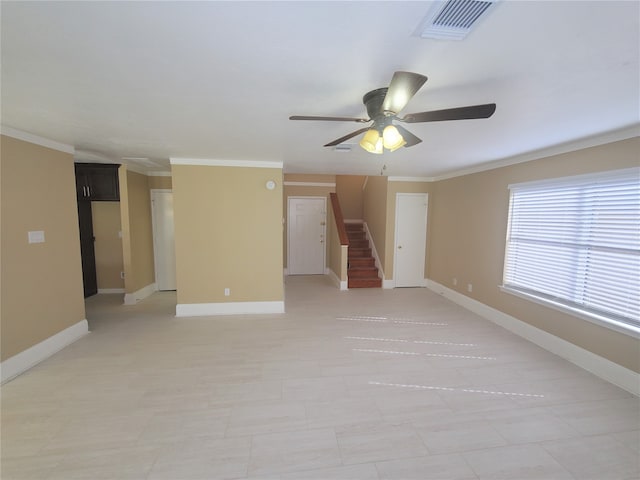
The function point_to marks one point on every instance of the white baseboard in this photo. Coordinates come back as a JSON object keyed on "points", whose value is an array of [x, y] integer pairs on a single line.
{"points": [[228, 308], [600, 366], [110, 290], [23, 361], [388, 283], [144, 292], [342, 285]]}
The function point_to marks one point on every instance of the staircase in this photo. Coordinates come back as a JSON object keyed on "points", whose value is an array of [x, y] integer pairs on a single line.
{"points": [[361, 270]]}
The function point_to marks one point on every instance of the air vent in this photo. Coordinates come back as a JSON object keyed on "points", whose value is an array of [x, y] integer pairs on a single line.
{"points": [[343, 147], [453, 19]]}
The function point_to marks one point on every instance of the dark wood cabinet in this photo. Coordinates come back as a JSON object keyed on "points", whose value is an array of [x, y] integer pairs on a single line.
{"points": [[97, 182], [87, 249], [94, 182]]}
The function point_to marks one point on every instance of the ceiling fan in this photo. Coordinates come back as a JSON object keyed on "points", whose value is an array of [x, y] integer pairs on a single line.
{"points": [[383, 106]]}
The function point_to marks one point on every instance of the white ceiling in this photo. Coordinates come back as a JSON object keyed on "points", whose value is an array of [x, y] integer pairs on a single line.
{"points": [[218, 80]]}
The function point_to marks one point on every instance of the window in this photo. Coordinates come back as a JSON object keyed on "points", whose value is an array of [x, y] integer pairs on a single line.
{"points": [[574, 243]]}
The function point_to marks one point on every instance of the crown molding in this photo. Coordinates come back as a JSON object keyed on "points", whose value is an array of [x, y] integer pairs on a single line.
{"points": [[37, 140], [411, 179], [225, 163], [308, 184]]}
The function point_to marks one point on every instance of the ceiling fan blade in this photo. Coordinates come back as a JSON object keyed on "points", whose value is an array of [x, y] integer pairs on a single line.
{"points": [[409, 137], [330, 119], [460, 113], [402, 88], [346, 137]]}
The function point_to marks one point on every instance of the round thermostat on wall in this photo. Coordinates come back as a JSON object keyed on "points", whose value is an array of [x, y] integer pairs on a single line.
{"points": [[270, 185]]}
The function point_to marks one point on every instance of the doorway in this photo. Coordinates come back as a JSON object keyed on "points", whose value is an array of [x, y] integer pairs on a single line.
{"points": [[306, 235], [164, 251], [410, 239]]}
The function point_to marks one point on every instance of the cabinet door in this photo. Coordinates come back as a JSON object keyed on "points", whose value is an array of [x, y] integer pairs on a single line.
{"points": [[103, 183], [97, 181], [82, 184], [87, 249]]}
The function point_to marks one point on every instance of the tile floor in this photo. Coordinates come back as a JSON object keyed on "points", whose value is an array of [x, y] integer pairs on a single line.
{"points": [[366, 384]]}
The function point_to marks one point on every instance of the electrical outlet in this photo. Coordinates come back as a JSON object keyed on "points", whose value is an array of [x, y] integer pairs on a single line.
{"points": [[227, 292], [121, 274], [469, 287]]}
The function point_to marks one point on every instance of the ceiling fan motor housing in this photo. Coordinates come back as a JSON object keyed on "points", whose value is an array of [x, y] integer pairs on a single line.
{"points": [[373, 100]]}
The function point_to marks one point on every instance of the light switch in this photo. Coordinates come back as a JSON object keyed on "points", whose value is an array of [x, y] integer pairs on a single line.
{"points": [[36, 236]]}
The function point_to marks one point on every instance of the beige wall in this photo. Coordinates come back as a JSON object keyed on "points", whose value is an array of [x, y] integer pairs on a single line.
{"points": [[137, 234], [303, 191], [108, 244], [374, 213], [163, 183], [468, 221], [350, 194], [228, 234], [41, 284]]}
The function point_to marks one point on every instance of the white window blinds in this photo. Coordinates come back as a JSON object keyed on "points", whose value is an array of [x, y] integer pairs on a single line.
{"points": [[576, 241]]}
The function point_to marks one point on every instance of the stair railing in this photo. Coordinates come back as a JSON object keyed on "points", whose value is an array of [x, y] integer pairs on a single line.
{"points": [[337, 214]]}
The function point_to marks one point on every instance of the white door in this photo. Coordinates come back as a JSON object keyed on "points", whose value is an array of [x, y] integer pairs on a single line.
{"points": [[164, 251], [306, 235], [411, 239]]}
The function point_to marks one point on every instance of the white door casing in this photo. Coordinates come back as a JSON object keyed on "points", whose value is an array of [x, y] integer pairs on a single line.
{"points": [[306, 231], [164, 252], [410, 239]]}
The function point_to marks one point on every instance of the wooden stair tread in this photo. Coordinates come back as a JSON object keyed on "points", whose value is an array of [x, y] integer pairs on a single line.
{"points": [[361, 262], [362, 271], [364, 282]]}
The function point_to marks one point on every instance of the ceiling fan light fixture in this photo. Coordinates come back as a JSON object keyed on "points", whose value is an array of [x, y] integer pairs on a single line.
{"points": [[391, 138], [371, 140], [400, 145], [379, 150]]}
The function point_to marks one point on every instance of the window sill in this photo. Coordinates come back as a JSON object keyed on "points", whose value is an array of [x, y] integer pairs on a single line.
{"points": [[576, 312]]}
